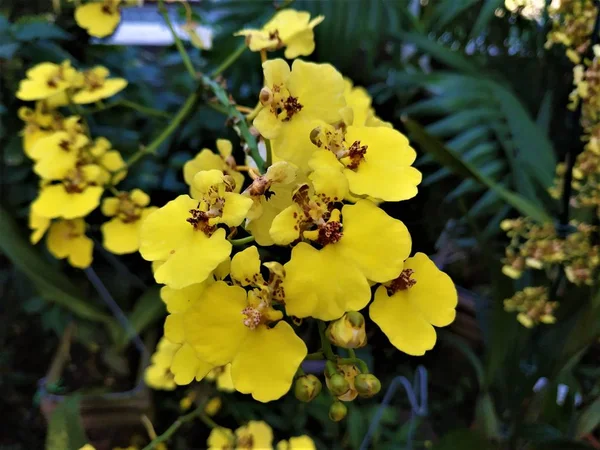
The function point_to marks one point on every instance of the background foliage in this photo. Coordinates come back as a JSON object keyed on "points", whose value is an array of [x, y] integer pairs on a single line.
{"points": [[485, 106]]}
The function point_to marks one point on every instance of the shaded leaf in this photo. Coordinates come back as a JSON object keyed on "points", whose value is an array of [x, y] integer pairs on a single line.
{"points": [[147, 310], [449, 159], [65, 430]]}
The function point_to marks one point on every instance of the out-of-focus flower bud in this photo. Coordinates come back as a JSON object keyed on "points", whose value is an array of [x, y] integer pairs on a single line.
{"points": [[367, 384], [307, 387], [337, 411], [213, 406], [348, 331]]}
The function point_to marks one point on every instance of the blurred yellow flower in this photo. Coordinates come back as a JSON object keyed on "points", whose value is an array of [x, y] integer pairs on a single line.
{"points": [[99, 18], [213, 406], [256, 435], [38, 125], [76, 196], [45, 80], [359, 101], [407, 308], [56, 155], [67, 239], [222, 377], [184, 232], [209, 160], [129, 210], [95, 85], [288, 28], [39, 225], [158, 375], [297, 443], [221, 439]]}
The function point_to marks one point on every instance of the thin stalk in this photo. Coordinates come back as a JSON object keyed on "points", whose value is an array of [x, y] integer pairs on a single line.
{"points": [[187, 62], [132, 105], [362, 366], [269, 153], [229, 60], [197, 413], [242, 241], [325, 344]]}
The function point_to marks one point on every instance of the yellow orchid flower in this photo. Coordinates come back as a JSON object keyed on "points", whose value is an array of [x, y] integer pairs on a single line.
{"points": [[45, 80], [67, 239], [129, 210], [407, 308], [95, 86], [288, 28], [99, 18], [185, 230], [158, 375]]}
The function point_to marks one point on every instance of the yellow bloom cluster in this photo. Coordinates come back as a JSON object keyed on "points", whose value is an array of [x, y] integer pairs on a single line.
{"points": [[75, 169], [572, 25], [533, 306], [334, 162], [256, 435], [539, 247]]}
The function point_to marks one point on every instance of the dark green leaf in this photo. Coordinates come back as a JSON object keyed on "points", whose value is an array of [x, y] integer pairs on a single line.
{"points": [[65, 430], [52, 284], [449, 159], [589, 419], [463, 440], [486, 417], [147, 310], [438, 51], [485, 15], [42, 29]]}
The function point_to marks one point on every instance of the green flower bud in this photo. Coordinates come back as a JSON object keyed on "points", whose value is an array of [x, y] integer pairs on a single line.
{"points": [[348, 331], [337, 384], [337, 411], [367, 384], [307, 387]]}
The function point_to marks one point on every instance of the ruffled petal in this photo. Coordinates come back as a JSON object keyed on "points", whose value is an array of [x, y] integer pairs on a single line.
{"points": [[245, 267], [403, 324], [375, 242], [284, 228], [186, 366], [193, 261], [267, 362], [214, 326], [323, 283], [166, 229], [235, 209], [121, 238], [434, 293]]}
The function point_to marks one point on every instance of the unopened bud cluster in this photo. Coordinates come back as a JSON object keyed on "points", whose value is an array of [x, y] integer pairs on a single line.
{"points": [[533, 306]]}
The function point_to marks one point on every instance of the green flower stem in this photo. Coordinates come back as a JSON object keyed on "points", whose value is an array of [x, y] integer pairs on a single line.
{"points": [[242, 241], [315, 356], [362, 366], [170, 128], [132, 105], [229, 60], [325, 344], [352, 353], [197, 413], [187, 62], [223, 99], [269, 153]]}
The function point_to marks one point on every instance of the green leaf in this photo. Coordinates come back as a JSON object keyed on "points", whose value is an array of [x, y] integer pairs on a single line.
{"points": [[448, 158], [589, 419], [147, 310], [463, 440], [51, 283], [486, 417], [65, 430], [461, 345], [439, 52], [562, 444], [38, 29], [485, 15], [449, 10], [7, 50]]}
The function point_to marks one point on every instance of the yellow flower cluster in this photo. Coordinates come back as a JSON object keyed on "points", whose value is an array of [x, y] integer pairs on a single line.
{"points": [[572, 25], [539, 247], [256, 435], [334, 162], [75, 169], [533, 306]]}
